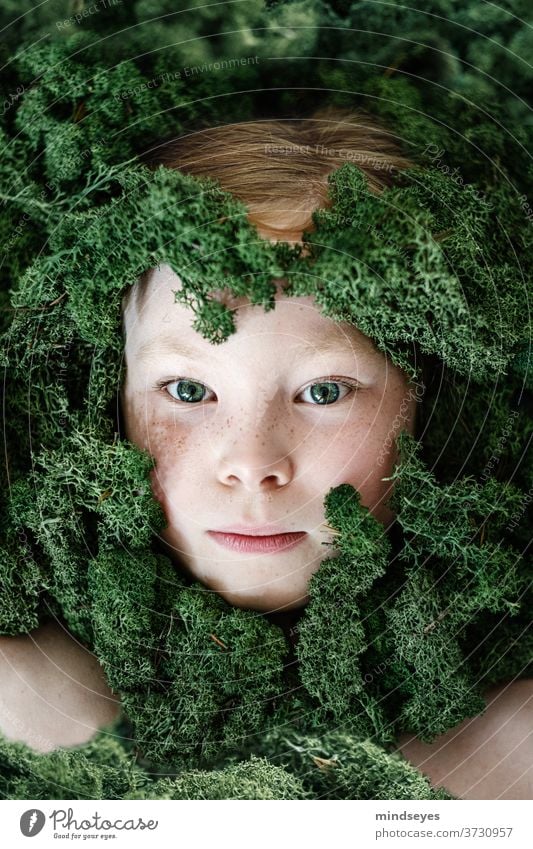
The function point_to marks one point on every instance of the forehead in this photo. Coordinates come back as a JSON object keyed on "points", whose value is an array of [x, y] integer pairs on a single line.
{"points": [[156, 317]]}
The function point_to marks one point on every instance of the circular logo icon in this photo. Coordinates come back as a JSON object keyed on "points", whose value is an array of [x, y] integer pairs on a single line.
{"points": [[31, 822]]}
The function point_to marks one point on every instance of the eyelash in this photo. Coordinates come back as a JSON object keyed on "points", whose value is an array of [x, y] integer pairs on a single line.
{"points": [[353, 386]]}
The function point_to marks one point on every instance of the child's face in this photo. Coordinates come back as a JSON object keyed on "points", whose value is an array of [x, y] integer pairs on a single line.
{"points": [[241, 435]]}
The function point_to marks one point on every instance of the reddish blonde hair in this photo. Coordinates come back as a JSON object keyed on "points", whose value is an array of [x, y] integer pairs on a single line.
{"points": [[280, 167]]}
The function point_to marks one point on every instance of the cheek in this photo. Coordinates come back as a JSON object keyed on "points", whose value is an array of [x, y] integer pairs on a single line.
{"points": [[363, 450], [168, 444], [175, 453], [354, 454]]}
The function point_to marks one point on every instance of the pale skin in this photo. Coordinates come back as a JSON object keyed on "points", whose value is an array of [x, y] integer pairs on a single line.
{"points": [[265, 456], [53, 690]]}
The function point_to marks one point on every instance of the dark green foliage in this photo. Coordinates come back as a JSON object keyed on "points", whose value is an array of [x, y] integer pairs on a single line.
{"points": [[253, 779], [458, 565], [22, 579], [104, 769], [402, 631], [341, 765], [290, 766], [100, 769], [121, 589], [217, 670], [409, 267], [329, 664]]}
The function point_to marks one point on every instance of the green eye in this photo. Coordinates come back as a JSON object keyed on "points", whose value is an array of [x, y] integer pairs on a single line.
{"points": [[326, 392], [188, 391]]}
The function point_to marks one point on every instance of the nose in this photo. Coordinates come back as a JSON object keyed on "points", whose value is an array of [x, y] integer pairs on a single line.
{"points": [[257, 463]]}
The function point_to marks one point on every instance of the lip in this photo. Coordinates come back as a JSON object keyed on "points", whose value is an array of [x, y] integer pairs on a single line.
{"points": [[254, 531], [254, 542]]}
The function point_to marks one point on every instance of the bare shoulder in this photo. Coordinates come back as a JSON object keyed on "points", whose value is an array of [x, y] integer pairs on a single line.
{"points": [[53, 691], [489, 756]]}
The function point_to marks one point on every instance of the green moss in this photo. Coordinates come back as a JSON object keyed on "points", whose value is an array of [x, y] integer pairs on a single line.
{"points": [[403, 631], [252, 779], [291, 765], [101, 769], [218, 668], [338, 764]]}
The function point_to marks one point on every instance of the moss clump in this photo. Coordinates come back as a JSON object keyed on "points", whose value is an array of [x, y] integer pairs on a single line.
{"points": [[252, 779], [341, 765], [292, 766]]}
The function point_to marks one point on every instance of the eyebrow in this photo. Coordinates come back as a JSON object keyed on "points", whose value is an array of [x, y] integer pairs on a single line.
{"points": [[176, 347], [170, 345], [329, 345]]}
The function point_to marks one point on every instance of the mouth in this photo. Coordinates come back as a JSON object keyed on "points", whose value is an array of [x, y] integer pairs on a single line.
{"points": [[253, 542]]}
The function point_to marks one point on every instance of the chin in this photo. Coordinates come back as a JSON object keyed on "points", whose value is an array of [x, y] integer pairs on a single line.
{"points": [[280, 600]]}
